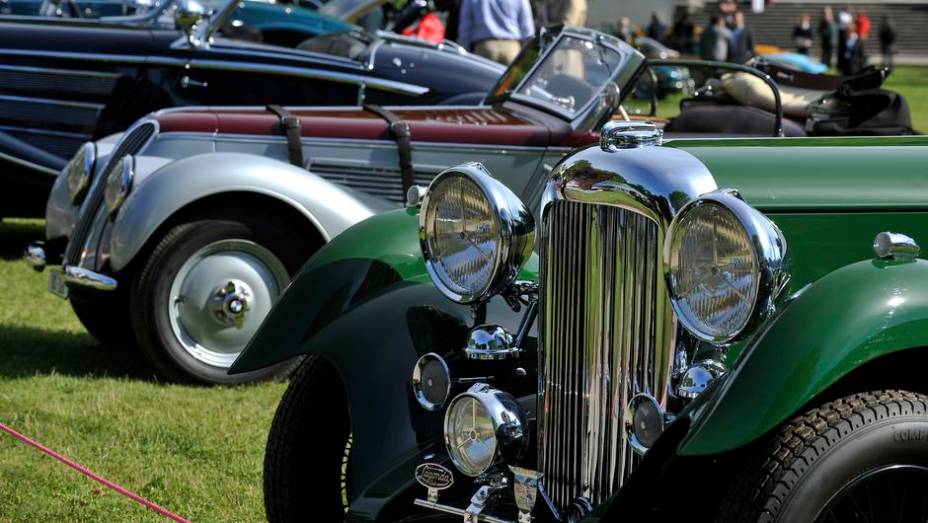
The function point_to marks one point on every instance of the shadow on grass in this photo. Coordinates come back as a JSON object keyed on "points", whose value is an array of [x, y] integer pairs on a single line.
{"points": [[29, 351], [16, 233]]}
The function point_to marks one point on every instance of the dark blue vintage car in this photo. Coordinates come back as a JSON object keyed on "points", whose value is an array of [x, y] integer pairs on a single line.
{"points": [[66, 80]]}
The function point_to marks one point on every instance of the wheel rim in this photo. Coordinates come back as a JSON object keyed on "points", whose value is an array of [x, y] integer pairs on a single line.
{"points": [[344, 477], [890, 493], [220, 296]]}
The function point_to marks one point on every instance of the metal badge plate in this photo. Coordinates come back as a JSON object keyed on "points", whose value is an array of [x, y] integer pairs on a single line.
{"points": [[435, 478], [56, 284]]}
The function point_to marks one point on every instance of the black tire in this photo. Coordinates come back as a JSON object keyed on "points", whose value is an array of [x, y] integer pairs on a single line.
{"points": [[303, 460], [820, 464], [106, 318], [150, 293]]}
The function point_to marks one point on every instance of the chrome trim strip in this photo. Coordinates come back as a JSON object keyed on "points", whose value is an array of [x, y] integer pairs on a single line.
{"points": [[377, 83], [95, 57], [49, 101], [64, 72], [44, 132], [86, 279], [29, 165]]}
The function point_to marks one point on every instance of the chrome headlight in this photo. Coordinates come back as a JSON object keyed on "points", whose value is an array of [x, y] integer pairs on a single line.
{"points": [[80, 172], [483, 427], [725, 266], [474, 232], [118, 184]]}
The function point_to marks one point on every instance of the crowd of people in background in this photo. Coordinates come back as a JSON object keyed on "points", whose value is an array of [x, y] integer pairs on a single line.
{"points": [[497, 29]]}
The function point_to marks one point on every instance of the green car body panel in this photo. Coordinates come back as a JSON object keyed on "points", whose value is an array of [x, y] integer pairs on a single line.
{"points": [[830, 197]]}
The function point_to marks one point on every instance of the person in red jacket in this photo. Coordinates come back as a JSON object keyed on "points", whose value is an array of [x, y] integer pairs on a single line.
{"points": [[863, 24], [428, 28]]}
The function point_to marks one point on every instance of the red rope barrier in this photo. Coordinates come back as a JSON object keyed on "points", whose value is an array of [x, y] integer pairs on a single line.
{"points": [[94, 476]]}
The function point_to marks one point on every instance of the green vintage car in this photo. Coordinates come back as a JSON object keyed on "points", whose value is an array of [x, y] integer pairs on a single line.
{"points": [[729, 329]]}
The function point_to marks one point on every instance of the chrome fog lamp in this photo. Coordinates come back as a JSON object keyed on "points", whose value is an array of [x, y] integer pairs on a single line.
{"points": [[118, 184], [80, 172], [475, 234], [484, 426], [725, 266], [431, 381]]}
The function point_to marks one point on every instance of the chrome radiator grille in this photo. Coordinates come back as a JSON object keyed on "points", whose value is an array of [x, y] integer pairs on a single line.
{"points": [[606, 335]]}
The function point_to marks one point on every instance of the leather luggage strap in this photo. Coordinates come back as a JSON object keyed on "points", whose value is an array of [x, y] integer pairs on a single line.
{"points": [[290, 123], [399, 131]]}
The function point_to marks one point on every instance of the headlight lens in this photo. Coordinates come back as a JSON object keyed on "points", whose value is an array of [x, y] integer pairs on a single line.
{"points": [[482, 426], [118, 184], [725, 265], [80, 172], [474, 232]]}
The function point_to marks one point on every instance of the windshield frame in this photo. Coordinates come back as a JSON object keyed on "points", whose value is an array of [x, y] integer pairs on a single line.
{"points": [[627, 56]]}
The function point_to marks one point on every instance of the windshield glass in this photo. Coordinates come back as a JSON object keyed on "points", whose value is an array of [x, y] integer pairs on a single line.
{"points": [[571, 74], [565, 76]]}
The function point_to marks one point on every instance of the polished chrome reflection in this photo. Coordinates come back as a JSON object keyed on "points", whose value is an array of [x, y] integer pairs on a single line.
{"points": [[697, 378], [475, 234], [483, 427], [607, 335], [431, 381], [490, 342], [606, 323], [627, 134], [525, 490], [119, 184], [895, 246], [644, 422], [80, 172], [725, 266]]}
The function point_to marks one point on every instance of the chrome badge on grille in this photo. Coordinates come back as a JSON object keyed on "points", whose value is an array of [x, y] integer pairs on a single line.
{"points": [[435, 478]]}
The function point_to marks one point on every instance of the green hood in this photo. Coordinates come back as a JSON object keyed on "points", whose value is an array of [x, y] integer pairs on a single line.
{"points": [[858, 174]]}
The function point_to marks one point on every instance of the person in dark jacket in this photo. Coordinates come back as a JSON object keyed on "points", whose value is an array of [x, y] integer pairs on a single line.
{"points": [[656, 29], [828, 31], [715, 43], [853, 57], [742, 41], [803, 35], [887, 40]]}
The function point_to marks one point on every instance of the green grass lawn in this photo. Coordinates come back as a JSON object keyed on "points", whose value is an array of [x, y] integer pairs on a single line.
{"points": [[194, 450], [912, 83]]}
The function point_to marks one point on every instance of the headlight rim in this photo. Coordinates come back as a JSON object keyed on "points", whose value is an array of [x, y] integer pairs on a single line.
{"points": [[507, 448], [125, 171], [769, 248], [516, 228], [88, 154]]}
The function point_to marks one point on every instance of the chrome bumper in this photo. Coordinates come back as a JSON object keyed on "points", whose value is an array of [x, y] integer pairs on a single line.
{"points": [[77, 277], [74, 277]]}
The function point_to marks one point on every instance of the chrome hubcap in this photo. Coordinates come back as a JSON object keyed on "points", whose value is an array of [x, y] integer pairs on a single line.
{"points": [[232, 303], [220, 296]]}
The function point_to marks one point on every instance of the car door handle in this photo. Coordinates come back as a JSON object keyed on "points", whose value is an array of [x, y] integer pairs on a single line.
{"points": [[186, 82]]}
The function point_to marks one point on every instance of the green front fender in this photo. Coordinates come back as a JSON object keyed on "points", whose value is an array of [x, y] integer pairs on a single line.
{"points": [[354, 267], [847, 318]]}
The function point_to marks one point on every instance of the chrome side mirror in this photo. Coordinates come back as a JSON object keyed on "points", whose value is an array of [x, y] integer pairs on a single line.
{"points": [[189, 17]]}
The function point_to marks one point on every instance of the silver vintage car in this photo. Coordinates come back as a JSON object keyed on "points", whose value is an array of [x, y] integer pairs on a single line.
{"points": [[181, 233]]}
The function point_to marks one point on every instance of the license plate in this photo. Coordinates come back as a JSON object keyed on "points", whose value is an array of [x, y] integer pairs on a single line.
{"points": [[56, 284]]}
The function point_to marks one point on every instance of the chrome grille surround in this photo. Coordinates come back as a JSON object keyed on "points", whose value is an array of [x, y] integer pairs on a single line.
{"points": [[606, 325], [133, 140]]}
